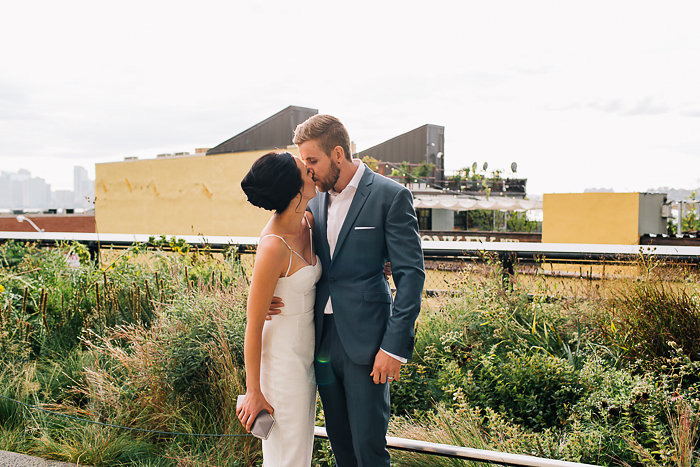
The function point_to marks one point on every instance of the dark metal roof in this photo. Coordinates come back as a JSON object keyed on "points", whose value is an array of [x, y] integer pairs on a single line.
{"points": [[273, 132], [421, 145]]}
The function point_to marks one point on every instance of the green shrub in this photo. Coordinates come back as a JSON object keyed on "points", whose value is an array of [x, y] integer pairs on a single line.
{"points": [[649, 314], [536, 391]]}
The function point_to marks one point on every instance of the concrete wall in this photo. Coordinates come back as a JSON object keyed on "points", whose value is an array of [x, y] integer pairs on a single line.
{"points": [[607, 218], [443, 219], [650, 219], [178, 196]]}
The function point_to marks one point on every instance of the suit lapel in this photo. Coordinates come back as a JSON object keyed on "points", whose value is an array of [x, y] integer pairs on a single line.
{"points": [[322, 226], [361, 195]]}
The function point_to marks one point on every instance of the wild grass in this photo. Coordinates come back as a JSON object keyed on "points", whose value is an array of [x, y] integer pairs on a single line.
{"points": [[152, 340]]}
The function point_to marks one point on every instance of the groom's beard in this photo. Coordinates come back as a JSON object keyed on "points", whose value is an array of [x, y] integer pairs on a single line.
{"points": [[325, 184]]}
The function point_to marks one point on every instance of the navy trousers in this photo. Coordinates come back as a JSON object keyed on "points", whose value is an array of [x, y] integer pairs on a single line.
{"points": [[356, 410]]}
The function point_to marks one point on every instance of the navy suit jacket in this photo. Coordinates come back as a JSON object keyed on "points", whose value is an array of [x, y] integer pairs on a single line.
{"points": [[381, 225]]}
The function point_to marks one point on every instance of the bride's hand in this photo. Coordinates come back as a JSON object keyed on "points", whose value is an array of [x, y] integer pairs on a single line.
{"points": [[252, 404]]}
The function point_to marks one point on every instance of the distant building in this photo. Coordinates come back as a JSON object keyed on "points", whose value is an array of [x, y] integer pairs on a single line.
{"points": [[63, 199], [19, 190], [603, 218], [273, 132], [423, 145], [185, 194], [83, 188]]}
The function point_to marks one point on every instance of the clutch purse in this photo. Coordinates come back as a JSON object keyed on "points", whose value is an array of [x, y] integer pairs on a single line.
{"points": [[263, 423]]}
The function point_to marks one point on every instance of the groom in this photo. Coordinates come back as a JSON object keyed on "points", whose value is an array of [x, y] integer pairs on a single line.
{"points": [[361, 220]]}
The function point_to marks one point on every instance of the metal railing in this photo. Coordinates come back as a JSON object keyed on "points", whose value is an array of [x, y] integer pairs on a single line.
{"points": [[526, 251], [458, 452]]}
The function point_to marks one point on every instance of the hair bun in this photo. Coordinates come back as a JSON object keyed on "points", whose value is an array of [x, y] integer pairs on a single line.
{"points": [[259, 196], [272, 181]]}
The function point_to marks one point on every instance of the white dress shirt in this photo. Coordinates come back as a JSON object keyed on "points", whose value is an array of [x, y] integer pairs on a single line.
{"points": [[338, 207]]}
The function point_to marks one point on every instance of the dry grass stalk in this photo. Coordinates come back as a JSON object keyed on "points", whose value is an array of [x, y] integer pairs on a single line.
{"points": [[684, 431]]}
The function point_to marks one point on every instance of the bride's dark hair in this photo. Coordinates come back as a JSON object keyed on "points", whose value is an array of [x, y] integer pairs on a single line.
{"points": [[273, 181]]}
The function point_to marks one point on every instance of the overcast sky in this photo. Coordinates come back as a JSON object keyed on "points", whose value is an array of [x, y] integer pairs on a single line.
{"points": [[579, 94]]}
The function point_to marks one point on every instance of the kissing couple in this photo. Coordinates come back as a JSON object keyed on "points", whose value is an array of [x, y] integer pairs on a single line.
{"points": [[320, 310]]}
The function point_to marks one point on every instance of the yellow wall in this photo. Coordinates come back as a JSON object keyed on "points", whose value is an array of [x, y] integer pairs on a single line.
{"points": [[189, 195], [611, 218]]}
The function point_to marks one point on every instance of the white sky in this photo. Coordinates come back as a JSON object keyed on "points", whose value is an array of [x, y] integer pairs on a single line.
{"points": [[580, 94]]}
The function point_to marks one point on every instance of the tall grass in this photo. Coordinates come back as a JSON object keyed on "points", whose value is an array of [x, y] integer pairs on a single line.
{"points": [[554, 371], [153, 340], [148, 340]]}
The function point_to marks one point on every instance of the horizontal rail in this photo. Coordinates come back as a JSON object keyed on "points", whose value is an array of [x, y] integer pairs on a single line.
{"points": [[457, 452], [564, 251], [526, 251]]}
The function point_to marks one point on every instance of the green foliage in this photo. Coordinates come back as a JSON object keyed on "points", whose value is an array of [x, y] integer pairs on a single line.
{"points": [[535, 391], [414, 173], [153, 339], [371, 162], [480, 219], [498, 368], [671, 227], [650, 316], [518, 222], [178, 245], [691, 221]]}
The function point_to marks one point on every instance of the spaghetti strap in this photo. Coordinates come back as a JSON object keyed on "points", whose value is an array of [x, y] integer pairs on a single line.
{"points": [[290, 254], [311, 237]]}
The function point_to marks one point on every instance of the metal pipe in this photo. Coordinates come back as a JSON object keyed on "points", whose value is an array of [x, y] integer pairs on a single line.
{"points": [[458, 452], [22, 218]]}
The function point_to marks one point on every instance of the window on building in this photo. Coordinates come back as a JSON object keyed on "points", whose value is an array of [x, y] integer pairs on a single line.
{"points": [[425, 219], [460, 220]]}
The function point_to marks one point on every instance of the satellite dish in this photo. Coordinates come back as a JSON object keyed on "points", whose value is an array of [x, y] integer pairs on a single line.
{"points": [[486, 166], [514, 167], [474, 167]]}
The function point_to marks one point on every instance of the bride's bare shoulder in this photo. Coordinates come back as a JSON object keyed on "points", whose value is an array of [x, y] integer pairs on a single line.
{"points": [[272, 246]]}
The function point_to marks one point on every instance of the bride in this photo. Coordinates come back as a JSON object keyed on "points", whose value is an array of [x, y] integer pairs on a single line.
{"points": [[279, 353]]}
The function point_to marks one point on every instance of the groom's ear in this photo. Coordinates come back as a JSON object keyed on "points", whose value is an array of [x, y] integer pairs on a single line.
{"points": [[338, 154]]}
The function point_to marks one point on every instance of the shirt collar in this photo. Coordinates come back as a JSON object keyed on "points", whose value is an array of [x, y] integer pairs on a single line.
{"points": [[355, 180]]}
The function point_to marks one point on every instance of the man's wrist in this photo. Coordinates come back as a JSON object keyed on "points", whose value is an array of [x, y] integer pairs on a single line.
{"points": [[396, 357]]}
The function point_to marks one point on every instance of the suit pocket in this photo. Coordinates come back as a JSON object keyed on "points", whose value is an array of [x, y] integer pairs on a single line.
{"points": [[376, 297]]}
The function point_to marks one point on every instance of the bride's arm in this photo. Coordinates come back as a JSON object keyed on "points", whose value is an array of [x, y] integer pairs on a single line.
{"points": [[269, 265]]}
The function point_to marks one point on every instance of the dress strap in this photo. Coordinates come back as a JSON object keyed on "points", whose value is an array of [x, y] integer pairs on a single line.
{"points": [[311, 237], [290, 249]]}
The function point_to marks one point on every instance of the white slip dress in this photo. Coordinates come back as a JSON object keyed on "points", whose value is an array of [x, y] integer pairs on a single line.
{"points": [[287, 372]]}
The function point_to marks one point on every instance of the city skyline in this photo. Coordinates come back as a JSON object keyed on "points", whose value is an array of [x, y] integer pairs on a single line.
{"points": [[21, 190]]}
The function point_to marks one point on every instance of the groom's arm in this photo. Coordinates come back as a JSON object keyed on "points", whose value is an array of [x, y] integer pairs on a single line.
{"points": [[406, 257]]}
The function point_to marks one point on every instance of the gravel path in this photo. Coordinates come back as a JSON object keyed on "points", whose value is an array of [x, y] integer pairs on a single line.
{"points": [[12, 459]]}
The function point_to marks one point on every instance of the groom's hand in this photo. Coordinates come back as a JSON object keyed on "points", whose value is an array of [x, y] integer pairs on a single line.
{"points": [[275, 306], [386, 368]]}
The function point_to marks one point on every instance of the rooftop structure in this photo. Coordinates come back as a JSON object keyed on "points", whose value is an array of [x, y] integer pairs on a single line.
{"points": [[273, 132], [422, 145]]}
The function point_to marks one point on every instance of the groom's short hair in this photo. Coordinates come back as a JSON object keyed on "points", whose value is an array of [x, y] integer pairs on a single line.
{"points": [[329, 132]]}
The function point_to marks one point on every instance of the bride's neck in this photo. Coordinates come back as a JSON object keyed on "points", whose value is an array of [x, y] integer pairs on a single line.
{"points": [[288, 220]]}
